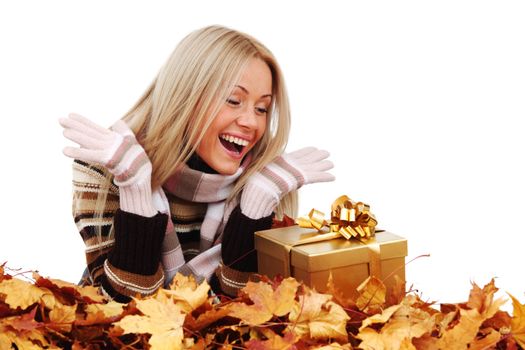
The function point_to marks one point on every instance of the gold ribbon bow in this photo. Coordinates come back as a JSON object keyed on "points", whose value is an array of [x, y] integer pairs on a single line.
{"points": [[348, 218]]}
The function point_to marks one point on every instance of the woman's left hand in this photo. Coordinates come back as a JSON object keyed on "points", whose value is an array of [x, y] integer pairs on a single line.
{"points": [[264, 190]]}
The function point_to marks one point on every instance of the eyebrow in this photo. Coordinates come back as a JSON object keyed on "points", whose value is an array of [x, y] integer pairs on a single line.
{"points": [[246, 91]]}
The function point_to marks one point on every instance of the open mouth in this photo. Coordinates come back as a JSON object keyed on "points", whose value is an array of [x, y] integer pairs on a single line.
{"points": [[232, 143]]}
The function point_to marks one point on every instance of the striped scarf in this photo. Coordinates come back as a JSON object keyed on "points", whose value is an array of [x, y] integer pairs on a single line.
{"points": [[197, 186]]}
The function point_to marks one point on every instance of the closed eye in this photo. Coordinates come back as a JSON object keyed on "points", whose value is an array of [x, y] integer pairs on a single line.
{"points": [[261, 110], [233, 102]]}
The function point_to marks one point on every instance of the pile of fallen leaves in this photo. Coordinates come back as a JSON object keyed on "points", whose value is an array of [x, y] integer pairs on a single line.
{"points": [[43, 313]]}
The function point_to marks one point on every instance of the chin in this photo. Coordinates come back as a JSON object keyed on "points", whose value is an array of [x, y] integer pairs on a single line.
{"points": [[227, 169]]}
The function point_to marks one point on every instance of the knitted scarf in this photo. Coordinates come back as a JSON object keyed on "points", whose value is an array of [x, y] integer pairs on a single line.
{"points": [[197, 186]]}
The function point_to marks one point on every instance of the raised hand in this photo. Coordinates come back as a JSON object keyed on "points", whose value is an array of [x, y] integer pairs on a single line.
{"points": [[286, 173], [115, 148]]}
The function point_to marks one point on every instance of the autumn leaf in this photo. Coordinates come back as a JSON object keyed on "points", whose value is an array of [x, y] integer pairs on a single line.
{"points": [[86, 294], [185, 292], [273, 342], [372, 294], [487, 342], [337, 294], [23, 294], [317, 317], [481, 299], [162, 320], [266, 301], [110, 309], [285, 222], [62, 317], [382, 317], [333, 346], [518, 321], [7, 338], [207, 318], [23, 331], [403, 322], [470, 320]]}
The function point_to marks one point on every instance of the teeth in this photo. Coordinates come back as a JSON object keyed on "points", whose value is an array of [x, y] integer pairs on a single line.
{"points": [[234, 139]]}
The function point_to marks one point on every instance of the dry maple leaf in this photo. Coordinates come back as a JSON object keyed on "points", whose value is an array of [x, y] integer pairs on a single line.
{"points": [[70, 291], [162, 320], [317, 317], [518, 321], [62, 317], [333, 346], [24, 294], [110, 309], [185, 292], [206, 318], [489, 341], [23, 331], [481, 299], [470, 320], [372, 294], [403, 322], [273, 342], [266, 301], [337, 293]]}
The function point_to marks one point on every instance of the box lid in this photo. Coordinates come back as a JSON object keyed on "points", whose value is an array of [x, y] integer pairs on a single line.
{"points": [[342, 252]]}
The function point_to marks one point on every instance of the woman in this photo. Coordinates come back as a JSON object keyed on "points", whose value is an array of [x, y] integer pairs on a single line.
{"points": [[197, 162]]}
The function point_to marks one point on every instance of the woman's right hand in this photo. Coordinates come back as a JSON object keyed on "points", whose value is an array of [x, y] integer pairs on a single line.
{"points": [[116, 149]]}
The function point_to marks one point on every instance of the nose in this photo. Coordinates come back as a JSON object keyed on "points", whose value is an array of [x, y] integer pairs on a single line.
{"points": [[247, 118]]}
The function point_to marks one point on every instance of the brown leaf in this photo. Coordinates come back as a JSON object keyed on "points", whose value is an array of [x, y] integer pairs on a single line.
{"points": [[337, 294], [62, 317], [404, 322], [518, 321], [22, 294], [479, 298], [487, 342], [273, 342], [185, 292], [372, 294], [317, 317], [209, 317], [397, 292], [501, 319], [285, 222], [162, 320], [266, 301], [24, 331], [482, 307]]}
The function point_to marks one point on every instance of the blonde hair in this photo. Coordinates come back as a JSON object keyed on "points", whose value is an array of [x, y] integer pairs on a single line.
{"points": [[172, 116]]}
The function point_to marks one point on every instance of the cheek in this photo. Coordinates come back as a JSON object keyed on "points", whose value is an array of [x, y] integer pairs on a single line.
{"points": [[261, 129]]}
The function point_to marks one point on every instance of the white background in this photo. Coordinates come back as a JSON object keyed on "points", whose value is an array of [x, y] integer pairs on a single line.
{"points": [[420, 104]]}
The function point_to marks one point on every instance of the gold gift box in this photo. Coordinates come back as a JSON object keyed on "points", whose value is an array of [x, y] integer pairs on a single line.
{"points": [[283, 251]]}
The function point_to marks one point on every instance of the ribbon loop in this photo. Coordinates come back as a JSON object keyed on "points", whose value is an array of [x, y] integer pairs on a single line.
{"points": [[348, 218]]}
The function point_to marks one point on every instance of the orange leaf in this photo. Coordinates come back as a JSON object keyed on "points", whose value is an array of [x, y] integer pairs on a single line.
{"points": [[317, 317], [403, 322], [162, 320], [274, 342], [266, 301], [185, 292], [518, 321], [372, 293], [62, 317], [22, 294]]}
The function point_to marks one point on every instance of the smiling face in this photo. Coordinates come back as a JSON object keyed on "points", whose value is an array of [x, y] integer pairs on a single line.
{"points": [[241, 120]]}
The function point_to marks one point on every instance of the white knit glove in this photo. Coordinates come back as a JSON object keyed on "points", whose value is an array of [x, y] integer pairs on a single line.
{"points": [[117, 150], [265, 189]]}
